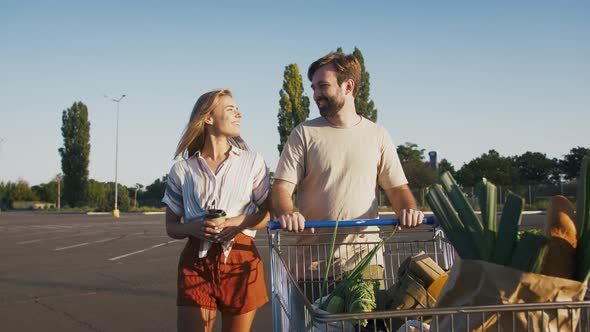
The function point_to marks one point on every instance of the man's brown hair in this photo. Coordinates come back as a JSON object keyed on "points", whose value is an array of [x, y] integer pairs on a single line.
{"points": [[346, 65]]}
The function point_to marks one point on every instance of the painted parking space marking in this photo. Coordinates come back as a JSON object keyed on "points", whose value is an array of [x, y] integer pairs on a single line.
{"points": [[142, 250], [72, 246], [88, 243], [58, 237]]}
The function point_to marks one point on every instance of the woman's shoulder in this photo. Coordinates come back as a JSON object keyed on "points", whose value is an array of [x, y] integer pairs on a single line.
{"points": [[250, 154], [181, 166]]}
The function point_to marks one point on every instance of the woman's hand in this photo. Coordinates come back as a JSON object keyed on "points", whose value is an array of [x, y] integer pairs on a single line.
{"points": [[229, 229], [206, 230]]}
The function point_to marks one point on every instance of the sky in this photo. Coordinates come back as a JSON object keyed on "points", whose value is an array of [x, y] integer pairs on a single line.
{"points": [[456, 77]]}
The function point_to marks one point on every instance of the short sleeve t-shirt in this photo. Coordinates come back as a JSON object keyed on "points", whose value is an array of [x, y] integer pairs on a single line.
{"points": [[337, 171]]}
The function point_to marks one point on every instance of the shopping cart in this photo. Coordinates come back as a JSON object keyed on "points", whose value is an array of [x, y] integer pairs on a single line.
{"points": [[294, 292]]}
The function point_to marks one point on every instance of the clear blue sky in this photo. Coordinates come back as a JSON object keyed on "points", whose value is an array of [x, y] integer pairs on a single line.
{"points": [[458, 77]]}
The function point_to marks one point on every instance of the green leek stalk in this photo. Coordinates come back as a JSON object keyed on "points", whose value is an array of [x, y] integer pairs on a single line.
{"points": [[583, 222], [508, 229], [448, 219], [466, 214], [486, 195]]}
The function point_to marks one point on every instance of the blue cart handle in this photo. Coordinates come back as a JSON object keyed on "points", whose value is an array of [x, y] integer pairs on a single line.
{"points": [[429, 220]]}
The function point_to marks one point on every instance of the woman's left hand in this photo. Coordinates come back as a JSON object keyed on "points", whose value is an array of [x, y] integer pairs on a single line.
{"points": [[230, 228]]}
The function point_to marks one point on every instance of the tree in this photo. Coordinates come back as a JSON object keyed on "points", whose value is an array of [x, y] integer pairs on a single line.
{"points": [[22, 192], [6, 191], [75, 153], [444, 166], [419, 174], [410, 152], [492, 166], [363, 105], [123, 201], [97, 195], [572, 162], [101, 196], [294, 105], [533, 167], [153, 194]]}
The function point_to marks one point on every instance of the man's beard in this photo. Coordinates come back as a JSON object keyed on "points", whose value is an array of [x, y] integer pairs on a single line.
{"points": [[331, 105]]}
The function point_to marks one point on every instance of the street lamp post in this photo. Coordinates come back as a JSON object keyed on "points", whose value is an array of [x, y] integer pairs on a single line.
{"points": [[116, 210], [59, 177], [1, 141]]}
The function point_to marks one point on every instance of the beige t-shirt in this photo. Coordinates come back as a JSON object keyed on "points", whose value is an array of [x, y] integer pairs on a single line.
{"points": [[337, 171]]}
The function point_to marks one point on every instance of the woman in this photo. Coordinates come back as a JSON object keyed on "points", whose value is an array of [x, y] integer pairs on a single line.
{"points": [[220, 268]]}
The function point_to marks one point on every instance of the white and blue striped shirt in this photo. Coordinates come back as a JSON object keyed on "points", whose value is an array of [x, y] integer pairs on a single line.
{"points": [[240, 184]]}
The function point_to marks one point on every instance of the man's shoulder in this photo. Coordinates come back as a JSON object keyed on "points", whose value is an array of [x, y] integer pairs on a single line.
{"points": [[308, 127], [372, 125], [316, 122]]}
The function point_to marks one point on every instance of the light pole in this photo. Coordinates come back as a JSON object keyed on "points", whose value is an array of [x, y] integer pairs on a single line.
{"points": [[59, 177], [1, 141], [116, 210]]}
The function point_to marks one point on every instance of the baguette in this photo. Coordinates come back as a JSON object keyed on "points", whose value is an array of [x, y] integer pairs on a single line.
{"points": [[560, 228]]}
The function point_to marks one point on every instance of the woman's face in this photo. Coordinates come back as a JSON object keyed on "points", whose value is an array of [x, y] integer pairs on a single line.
{"points": [[225, 118]]}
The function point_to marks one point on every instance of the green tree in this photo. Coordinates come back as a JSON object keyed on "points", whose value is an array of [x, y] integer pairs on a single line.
{"points": [[101, 196], [75, 153], [410, 152], [123, 201], [533, 167], [294, 104], [6, 190], [153, 194], [572, 162], [444, 166], [420, 175], [363, 105], [23, 192], [555, 174], [492, 166], [97, 195]]}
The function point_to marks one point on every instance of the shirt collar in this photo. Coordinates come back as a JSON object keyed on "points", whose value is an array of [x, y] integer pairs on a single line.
{"points": [[233, 150]]}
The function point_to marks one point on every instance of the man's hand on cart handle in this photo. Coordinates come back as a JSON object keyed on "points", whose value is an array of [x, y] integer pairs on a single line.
{"points": [[410, 217], [273, 225], [293, 222]]}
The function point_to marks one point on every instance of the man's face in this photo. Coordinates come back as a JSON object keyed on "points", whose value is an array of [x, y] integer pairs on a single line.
{"points": [[328, 95]]}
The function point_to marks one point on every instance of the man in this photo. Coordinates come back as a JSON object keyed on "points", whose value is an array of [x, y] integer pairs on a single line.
{"points": [[336, 162]]}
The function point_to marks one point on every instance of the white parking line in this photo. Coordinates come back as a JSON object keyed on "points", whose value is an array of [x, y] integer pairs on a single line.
{"points": [[142, 250], [109, 239], [59, 237], [86, 243], [72, 246]]}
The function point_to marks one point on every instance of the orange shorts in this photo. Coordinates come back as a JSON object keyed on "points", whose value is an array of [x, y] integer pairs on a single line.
{"points": [[235, 287]]}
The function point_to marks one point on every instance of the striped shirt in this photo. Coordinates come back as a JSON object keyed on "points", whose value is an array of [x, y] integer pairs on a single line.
{"points": [[239, 186]]}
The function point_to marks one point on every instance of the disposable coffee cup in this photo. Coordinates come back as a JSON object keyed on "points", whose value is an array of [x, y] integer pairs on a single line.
{"points": [[215, 215]]}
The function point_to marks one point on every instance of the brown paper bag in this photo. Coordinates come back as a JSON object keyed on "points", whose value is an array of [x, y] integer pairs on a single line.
{"points": [[425, 268], [476, 283]]}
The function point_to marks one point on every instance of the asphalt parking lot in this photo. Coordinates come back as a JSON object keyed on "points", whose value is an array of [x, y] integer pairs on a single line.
{"points": [[73, 272]]}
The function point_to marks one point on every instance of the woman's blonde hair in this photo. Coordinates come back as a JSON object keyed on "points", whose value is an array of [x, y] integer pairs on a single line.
{"points": [[193, 138]]}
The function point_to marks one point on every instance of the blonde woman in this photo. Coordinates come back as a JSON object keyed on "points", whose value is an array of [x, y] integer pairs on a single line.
{"points": [[220, 268]]}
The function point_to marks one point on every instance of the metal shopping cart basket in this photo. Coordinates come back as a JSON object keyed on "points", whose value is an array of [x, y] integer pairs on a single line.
{"points": [[294, 291]]}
